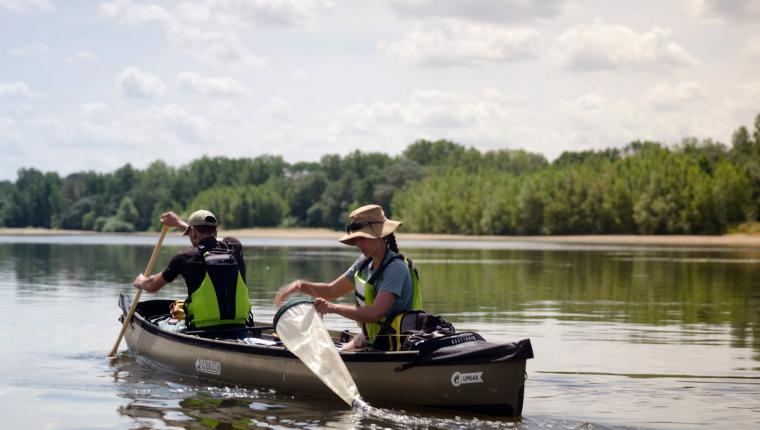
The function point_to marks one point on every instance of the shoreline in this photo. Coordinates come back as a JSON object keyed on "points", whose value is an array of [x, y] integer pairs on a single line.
{"points": [[727, 240]]}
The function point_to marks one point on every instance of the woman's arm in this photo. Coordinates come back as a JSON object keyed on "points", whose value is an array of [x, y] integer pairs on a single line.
{"points": [[337, 288], [362, 314]]}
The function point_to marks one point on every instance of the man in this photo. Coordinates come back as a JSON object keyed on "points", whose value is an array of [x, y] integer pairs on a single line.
{"points": [[214, 272]]}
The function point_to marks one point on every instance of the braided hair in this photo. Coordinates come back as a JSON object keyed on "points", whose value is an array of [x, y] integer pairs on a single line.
{"points": [[390, 243]]}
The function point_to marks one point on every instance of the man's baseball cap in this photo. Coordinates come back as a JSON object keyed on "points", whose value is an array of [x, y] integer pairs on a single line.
{"points": [[201, 217]]}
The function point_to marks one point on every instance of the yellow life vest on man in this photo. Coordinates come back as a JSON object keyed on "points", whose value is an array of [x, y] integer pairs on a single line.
{"points": [[222, 297], [364, 292]]}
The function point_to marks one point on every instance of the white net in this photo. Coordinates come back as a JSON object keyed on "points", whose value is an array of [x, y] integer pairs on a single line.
{"points": [[300, 328]]}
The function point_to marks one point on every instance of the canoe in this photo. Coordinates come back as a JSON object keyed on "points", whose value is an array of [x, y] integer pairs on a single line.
{"points": [[473, 375]]}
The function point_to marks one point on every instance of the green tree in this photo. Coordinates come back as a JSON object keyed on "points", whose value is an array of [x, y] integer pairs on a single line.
{"points": [[74, 216], [699, 187], [530, 206], [9, 210], [306, 191], [114, 225], [240, 207], [127, 212], [152, 194], [397, 175], [440, 152], [36, 199], [516, 162], [118, 184]]}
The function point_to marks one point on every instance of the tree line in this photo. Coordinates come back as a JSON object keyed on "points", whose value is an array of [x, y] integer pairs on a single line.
{"points": [[694, 187]]}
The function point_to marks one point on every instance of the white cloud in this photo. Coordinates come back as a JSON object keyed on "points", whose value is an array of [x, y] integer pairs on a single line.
{"points": [[301, 76], [178, 124], [449, 42], [82, 57], [492, 119], [598, 46], [212, 30], [134, 14], [480, 10], [225, 111], [167, 132], [214, 47], [279, 108], [752, 48], [586, 111], [198, 84], [97, 111], [22, 6], [301, 110], [8, 128], [669, 97], [133, 82], [17, 89], [488, 118], [751, 91], [28, 50], [195, 29], [747, 11], [592, 121], [270, 12], [137, 137]]}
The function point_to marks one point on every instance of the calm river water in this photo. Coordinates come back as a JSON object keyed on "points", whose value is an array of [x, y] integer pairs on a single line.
{"points": [[624, 337]]}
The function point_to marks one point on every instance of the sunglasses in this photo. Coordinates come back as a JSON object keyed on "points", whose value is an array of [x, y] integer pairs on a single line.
{"points": [[359, 225]]}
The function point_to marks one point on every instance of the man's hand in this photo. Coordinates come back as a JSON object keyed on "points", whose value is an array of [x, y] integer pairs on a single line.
{"points": [[173, 220], [141, 281], [150, 284]]}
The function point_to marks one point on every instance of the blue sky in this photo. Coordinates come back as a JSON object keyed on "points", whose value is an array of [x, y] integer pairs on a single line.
{"points": [[88, 85]]}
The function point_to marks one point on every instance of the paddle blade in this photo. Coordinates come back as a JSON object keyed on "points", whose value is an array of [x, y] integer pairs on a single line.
{"points": [[300, 328]]}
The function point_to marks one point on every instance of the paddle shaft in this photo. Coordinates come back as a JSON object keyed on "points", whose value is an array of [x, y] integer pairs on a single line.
{"points": [[132, 308]]}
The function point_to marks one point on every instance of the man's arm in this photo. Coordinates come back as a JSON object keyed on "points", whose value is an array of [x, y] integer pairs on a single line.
{"points": [[173, 220], [150, 283]]}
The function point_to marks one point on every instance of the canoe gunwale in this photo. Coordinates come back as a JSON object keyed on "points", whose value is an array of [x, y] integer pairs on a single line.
{"points": [[405, 359], [272, 351]]}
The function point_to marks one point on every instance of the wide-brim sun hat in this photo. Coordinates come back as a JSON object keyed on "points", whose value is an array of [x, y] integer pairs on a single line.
{"points": [[370, 222], [199, 218]]}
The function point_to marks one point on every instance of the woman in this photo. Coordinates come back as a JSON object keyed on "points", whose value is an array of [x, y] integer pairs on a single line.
{"points": [[383, 281]]}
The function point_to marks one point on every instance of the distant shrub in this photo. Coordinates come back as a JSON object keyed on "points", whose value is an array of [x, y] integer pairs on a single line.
{"points": [[115, 225]]}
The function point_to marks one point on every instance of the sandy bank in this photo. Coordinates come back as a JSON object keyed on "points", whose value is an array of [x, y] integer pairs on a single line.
{"points": [[733, 240]]}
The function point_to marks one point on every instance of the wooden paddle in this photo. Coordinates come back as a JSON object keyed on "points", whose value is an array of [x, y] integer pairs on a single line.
{"points": [[131, 312]]}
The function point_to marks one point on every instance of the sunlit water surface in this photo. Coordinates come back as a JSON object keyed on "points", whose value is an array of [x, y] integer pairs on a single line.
{"points": [[624, 337]]}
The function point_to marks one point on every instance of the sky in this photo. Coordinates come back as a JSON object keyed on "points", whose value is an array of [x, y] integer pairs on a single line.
{"points": [[93, 85]]}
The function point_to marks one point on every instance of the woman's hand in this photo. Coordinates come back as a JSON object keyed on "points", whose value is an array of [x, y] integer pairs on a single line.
{"points": [[323, 306], [287, 290]]}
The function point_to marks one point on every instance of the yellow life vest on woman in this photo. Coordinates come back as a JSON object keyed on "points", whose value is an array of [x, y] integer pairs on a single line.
{"points": [[364, 292]]}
